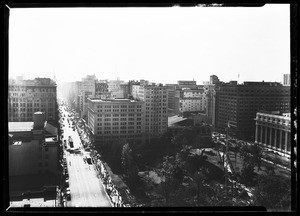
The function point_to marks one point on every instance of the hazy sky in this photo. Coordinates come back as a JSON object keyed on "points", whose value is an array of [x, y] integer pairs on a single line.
{"points": [[157, 44]]}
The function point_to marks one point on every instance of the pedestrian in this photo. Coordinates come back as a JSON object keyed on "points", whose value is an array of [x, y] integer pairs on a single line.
{"points": [[70, 163]]}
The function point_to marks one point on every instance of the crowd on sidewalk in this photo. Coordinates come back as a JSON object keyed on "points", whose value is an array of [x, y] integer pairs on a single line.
{"points": [[102, 172]]}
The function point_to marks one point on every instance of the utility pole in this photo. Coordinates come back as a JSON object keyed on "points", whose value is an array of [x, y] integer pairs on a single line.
{"points": [[226, 159]]}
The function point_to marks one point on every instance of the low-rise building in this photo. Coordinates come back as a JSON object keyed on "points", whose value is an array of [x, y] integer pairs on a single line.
{"points": [[33, 155], [273, 131]]}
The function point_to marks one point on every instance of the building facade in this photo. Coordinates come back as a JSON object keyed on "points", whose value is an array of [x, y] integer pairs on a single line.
{"points": [[210, 91], [187, 84], [214, 79], [171, 99], [286, 79], [240, 103], [156, 107], [33, 147], [101, 90], [28, 96], [116, 119], [87, 90], [192, 100], [125, 87], [273, 131]]}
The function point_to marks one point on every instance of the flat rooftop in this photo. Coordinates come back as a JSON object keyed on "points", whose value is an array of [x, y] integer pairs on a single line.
{"points": [[175, 119], [117, 100], [20, 126], [34, 202], [51, 139]]}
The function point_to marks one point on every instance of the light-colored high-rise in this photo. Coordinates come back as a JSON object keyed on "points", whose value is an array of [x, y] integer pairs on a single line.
{"points": [[28, 96], [156, 107], [116, 119], [286, 79], [192, 100]]}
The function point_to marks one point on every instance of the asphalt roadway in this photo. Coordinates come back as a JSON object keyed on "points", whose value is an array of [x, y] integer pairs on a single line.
{"points": [[85, 187]]}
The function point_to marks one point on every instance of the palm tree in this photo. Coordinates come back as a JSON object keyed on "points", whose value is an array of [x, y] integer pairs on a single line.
{"points": [[199, 178]]}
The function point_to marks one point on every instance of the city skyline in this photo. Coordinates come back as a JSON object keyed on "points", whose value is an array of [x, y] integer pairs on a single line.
{"points": [[164, 45]]}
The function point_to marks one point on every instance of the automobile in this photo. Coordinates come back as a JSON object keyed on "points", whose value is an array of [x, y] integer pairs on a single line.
{"points": [[89, 160], [214, 134], [65, 171], [68, 197], [77, 151]]}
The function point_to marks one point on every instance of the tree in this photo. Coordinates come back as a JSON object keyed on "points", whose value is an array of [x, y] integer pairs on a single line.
{"points": [[248, 174], [273, 192], [171, 175], [129, 166], [195, 162], [256, 153], [185, 152], [199, 178]]}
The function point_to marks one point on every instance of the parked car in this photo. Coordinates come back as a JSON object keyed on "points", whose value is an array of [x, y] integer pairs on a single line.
{"points": [[68, 196]]}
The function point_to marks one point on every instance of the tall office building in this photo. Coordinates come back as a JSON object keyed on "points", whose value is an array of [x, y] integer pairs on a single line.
{"points": [[210, 111], [88, 89], [286, 79], [116, 119], [28, 96], [156, 107], [273, 131], [239, 104], [125, 87], [171, 88], [101, 90], [192, 100]]}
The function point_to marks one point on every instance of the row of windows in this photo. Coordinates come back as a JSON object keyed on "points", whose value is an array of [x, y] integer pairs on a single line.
{"points": [[117, 132], [117, 128], [119, 106], [29, 110], [117, 115], [121, 110], [158, 108], [119, 123]]}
